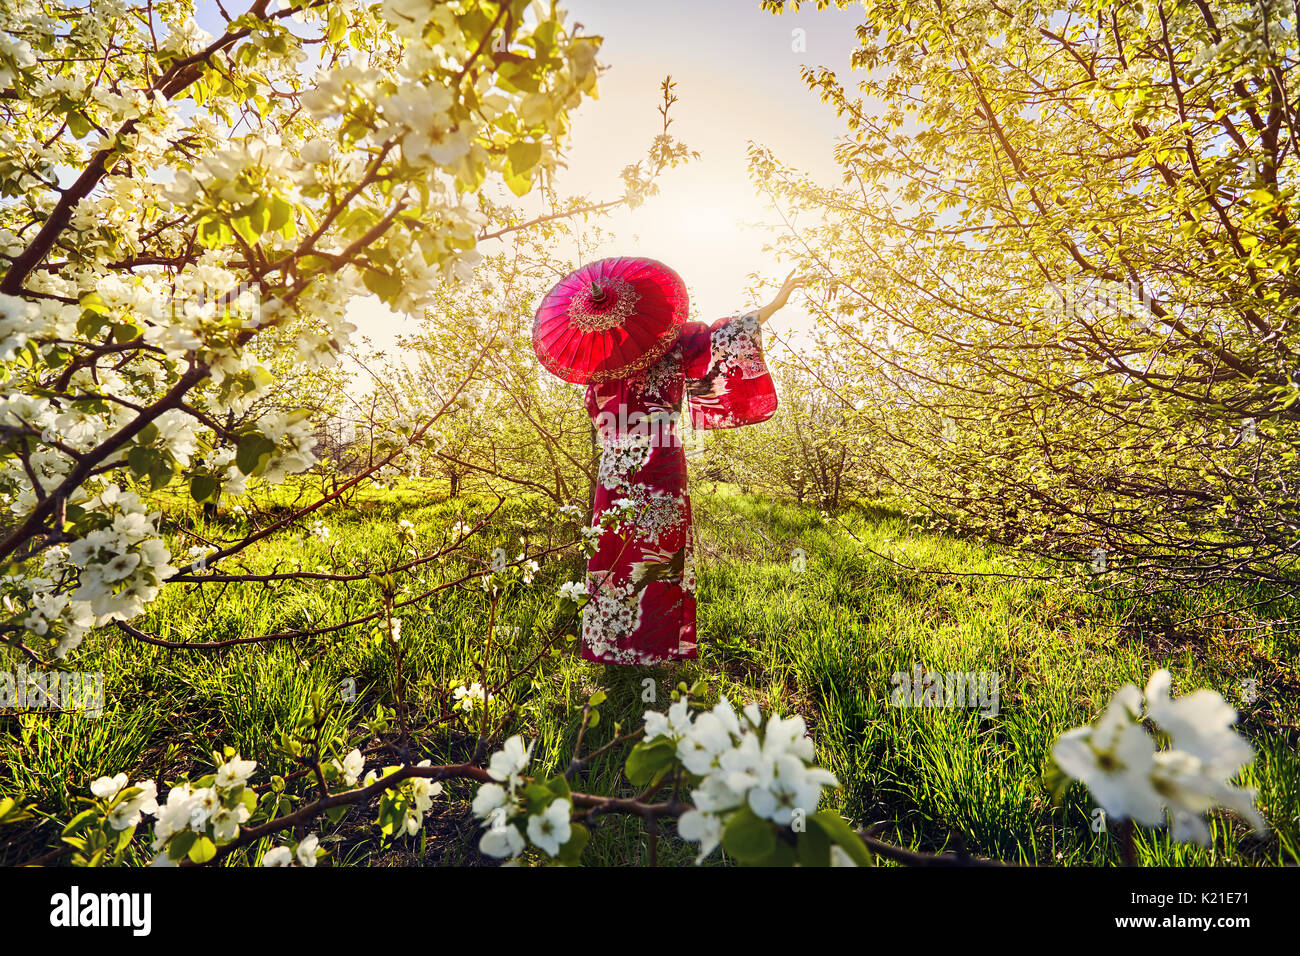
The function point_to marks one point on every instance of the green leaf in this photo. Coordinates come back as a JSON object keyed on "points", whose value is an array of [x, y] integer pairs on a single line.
{"points": [[281, 212], [842, 835], [203, 487], [203, 850], [559, 786], [245, 229], [80, 821], [523, 156], [539, 797], [78, 123], [180, 844], [141, 460], [648, 759], [338, 25], [161, 471], [783, 855], [252, 448], [94, 302], [814, 847], [571, 853], [382, 283], [748, 837], [11, 811], [519, 185], [123, 839]]}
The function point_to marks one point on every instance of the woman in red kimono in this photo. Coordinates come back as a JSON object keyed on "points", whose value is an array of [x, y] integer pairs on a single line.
{"points": [[641, 579]]}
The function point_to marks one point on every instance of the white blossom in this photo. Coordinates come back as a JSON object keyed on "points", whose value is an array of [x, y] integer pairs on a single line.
{"points": [[575, 591], [509, 762], [350, 767], [767, 767], [550, 829], [106, 788], [502, 841], [1119, 762], [306, 850], [234, 772], [278, 856]]}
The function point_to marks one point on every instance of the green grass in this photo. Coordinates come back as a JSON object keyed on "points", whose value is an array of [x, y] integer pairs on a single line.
{"points": [[822, 642]]}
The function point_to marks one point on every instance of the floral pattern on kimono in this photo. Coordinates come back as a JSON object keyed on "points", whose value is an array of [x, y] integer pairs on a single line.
{"points": [[641, 578]]}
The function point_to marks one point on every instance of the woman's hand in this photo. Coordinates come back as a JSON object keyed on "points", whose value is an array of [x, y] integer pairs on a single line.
{"points": [[792, 282]]}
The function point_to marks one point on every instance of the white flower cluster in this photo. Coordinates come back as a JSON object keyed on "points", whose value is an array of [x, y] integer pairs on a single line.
{"points": [[15, 55], [19, 319], [590, 540], [214, 810], [471, 698], [621, 513], [348, 770], [304, 853], [740, 761], [416, 111], [199, 554], [110, 574], [294, 437], [46, 465], [1118, 760], [128, 811], [120, 563], [502, 811], [385, 98], [575, 591], [405, 532]]}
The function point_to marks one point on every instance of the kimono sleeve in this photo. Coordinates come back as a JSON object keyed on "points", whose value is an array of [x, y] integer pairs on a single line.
{"points": [[727, 380]]}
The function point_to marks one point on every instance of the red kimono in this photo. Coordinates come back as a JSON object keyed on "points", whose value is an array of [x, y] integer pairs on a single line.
{"points": [[641, 579]]}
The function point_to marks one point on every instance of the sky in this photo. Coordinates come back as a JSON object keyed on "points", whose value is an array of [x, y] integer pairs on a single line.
{"points": [[737, 73]]}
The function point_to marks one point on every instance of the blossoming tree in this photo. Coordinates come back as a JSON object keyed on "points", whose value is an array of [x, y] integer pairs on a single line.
{"points": [[175, 195]]}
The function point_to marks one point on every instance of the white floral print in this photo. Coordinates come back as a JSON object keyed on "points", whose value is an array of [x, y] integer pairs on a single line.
{"points": [[612, 614], [661, 377], [657, 512], [738, 345], [621, 458]]}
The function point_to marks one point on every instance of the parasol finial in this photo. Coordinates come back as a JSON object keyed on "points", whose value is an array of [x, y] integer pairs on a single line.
{"points": [[597, 293]]}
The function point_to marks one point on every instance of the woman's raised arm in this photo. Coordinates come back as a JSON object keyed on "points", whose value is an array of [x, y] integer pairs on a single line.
{"points": [[792, 282]]}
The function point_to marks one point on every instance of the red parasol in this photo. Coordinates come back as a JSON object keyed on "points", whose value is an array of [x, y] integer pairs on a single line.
{"points": [[609, 319]]}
